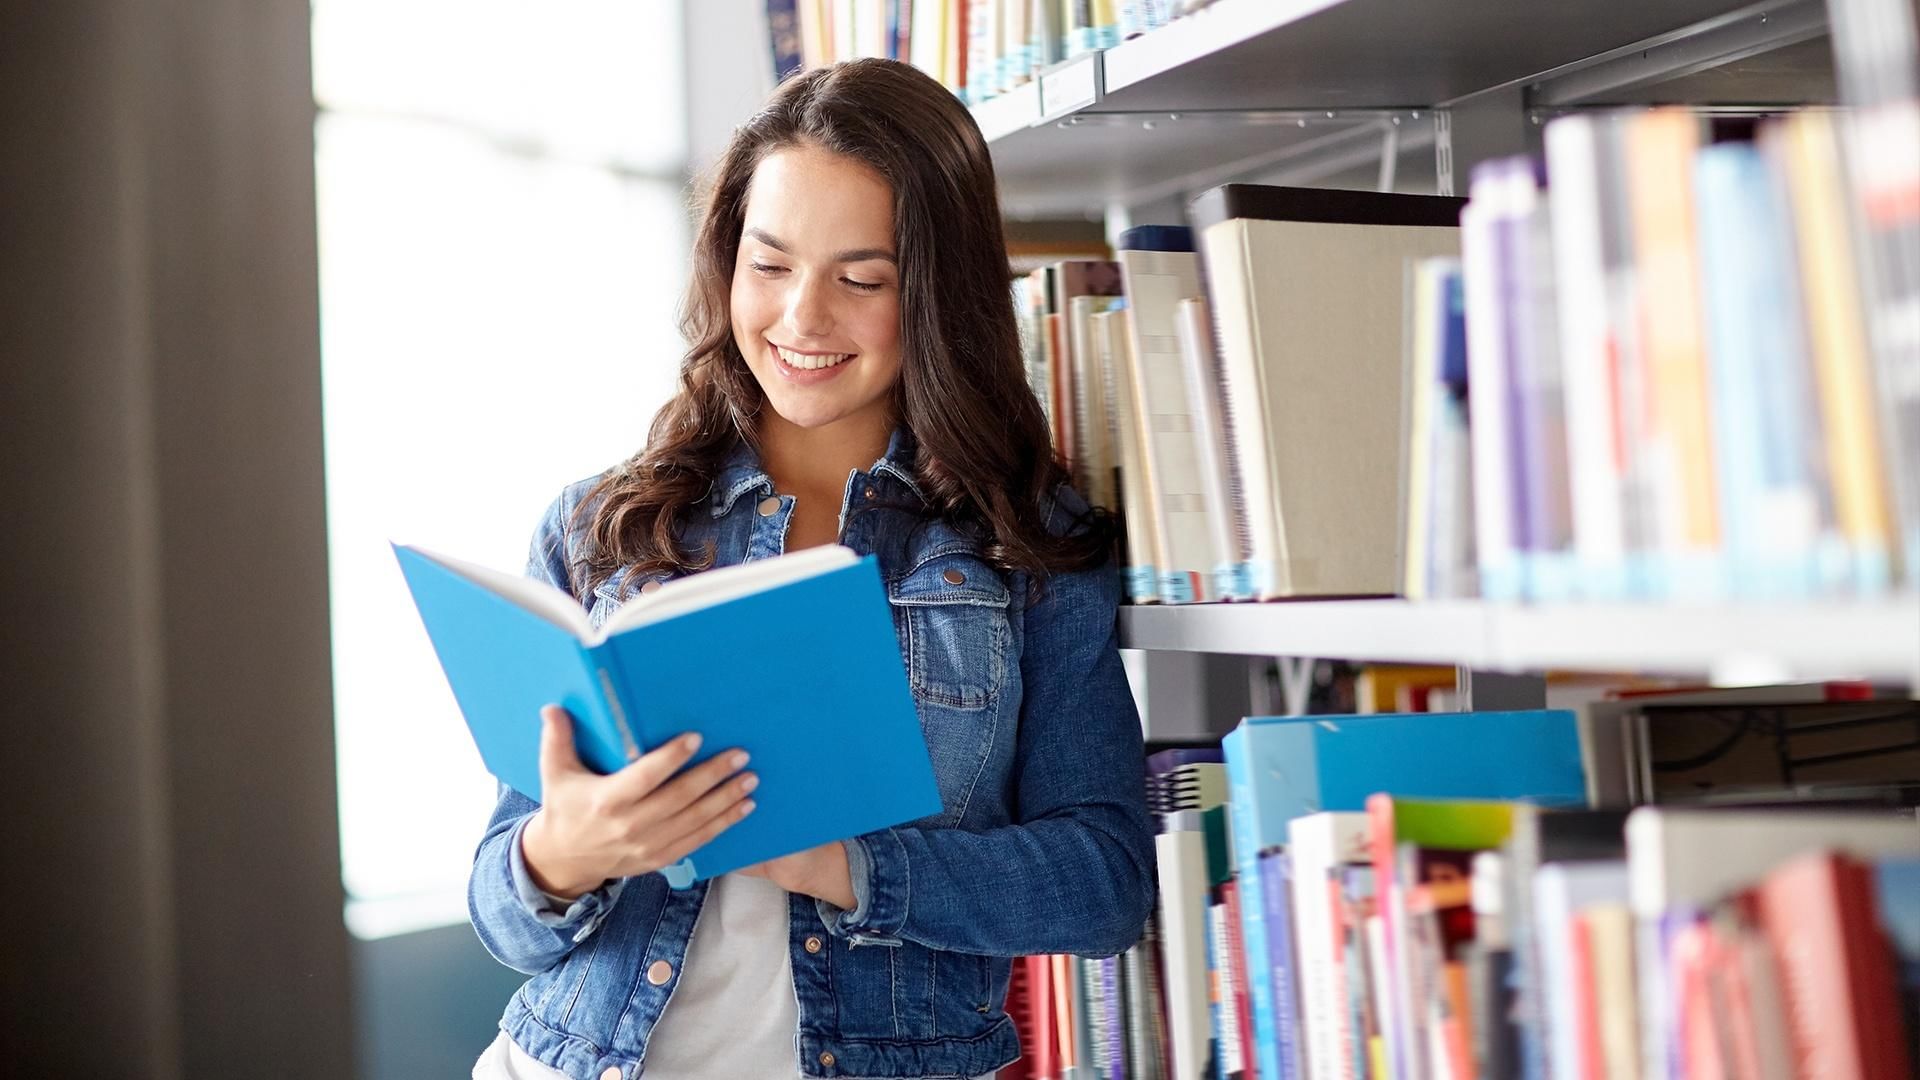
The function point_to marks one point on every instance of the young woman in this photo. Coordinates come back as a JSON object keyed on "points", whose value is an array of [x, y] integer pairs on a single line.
{"points": [[853, 376]]}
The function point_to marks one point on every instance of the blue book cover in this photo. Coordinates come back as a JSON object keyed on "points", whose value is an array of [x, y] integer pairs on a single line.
{"points": [[1247, 849], [792, 659]]}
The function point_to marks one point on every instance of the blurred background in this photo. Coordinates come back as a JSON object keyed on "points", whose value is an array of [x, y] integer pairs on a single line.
{"points": [[286, 281]]}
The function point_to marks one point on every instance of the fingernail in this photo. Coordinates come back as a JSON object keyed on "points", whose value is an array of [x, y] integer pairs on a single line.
{"points": [[738, 760], [691, 741], [749, 783], [746, 808]]}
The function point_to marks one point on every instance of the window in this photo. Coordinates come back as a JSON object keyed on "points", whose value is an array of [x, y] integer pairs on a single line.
{"points": [[503, 238]]}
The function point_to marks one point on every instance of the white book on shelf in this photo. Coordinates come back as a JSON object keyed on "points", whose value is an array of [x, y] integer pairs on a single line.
{"points": [[1155, 283], [1182, 860], [1218, 485], [1496, 533], [1561, 891], [1586, 351], [1308, 316], [1319, 845]]}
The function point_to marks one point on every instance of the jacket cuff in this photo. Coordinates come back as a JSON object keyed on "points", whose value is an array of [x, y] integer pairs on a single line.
{"points": [[548, 909], [877, 865]]}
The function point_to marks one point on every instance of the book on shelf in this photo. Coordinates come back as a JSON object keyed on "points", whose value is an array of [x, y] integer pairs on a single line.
{"points": [[1158, 270], [1304, 285], [1437, 476], [510, 645]]}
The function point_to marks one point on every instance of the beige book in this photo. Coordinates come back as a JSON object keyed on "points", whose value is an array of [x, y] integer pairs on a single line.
{"points": [[1610, 935], [1156, 282], [1110, 334], [1310, 332]]}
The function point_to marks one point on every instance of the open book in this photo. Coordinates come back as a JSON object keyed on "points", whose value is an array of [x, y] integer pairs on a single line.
{"points": [[792, 659]]}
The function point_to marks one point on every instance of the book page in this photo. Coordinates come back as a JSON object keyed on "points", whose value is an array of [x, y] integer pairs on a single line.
{"points": [[534, 595], [727, 583]]}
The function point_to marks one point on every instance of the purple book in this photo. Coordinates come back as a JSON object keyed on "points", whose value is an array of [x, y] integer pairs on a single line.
{"points": [[1276, 873]]}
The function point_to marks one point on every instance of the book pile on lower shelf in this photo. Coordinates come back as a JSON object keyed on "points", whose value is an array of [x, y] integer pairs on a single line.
{"points": [[1677, 360], [1316, 922]]}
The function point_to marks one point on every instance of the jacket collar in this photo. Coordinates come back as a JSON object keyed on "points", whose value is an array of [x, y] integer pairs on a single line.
{"points": [[740, 471]]}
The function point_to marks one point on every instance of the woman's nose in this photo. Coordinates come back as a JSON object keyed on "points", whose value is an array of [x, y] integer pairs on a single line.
{"points": [[809, 315]]}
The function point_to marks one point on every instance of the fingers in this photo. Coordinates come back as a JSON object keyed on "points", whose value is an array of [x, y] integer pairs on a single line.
{"points": [[640, 777], [730, 814], [680, 792], [557, 756]]}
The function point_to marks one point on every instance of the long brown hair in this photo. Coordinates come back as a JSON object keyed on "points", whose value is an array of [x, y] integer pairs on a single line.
{"points": [[983, 458]]}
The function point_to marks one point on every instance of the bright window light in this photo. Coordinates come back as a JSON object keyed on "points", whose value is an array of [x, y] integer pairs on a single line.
{"points": [[503, 238]]}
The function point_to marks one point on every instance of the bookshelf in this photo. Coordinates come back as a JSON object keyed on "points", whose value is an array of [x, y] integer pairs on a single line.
{"points": [[1303, 89], [1745, 642], [1246, 86]]}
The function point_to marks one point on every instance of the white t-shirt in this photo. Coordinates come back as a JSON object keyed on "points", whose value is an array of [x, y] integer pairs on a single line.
{"points": [[734, 1012]]}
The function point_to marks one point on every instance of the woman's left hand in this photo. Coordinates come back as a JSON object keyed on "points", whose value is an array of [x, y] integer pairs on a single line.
{"points": [[820, 872]]}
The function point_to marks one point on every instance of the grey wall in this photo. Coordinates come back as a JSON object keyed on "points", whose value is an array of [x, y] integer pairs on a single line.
{"points": [[172, 867]]}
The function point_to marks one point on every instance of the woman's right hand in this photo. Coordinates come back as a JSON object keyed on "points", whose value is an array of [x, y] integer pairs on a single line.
{"points": [[591, 828]]}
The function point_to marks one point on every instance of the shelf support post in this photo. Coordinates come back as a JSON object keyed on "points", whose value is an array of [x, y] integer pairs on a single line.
{"points": [[1497, 691]]}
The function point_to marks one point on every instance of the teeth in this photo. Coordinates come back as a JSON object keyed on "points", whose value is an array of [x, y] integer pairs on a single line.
{"points": [[810, 363]]}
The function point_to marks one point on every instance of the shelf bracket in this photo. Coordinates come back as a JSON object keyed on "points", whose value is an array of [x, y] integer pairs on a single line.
{"points": [[1496, 691]]}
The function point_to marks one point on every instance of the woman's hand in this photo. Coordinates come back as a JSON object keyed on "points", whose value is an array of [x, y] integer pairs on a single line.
{"points": [[590, 828], [821, 872]]}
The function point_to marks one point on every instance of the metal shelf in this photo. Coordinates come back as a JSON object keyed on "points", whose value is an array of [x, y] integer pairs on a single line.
{"points": [[1222, 94], [1726, 642]]}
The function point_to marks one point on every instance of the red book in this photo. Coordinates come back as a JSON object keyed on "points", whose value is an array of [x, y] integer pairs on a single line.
{"points": [[1043, 1053], [1586, 1003], [1823, 922], [1242, 1001], [1020, 1010]]}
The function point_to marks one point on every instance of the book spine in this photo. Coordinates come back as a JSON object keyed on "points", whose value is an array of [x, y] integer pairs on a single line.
{"points": [[1276, 888], [1587, 351], [1252, 930], [1495, 540]]}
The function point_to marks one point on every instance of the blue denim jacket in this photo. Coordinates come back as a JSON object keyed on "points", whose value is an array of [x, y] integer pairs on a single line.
{"points": [[1042, 846]]}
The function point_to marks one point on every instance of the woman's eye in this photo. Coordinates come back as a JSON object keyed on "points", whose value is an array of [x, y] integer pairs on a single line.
{"points": [[767, 269], [865, 286]]}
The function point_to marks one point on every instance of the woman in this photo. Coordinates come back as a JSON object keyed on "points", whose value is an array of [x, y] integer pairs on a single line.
{"points": [[853, 376]]}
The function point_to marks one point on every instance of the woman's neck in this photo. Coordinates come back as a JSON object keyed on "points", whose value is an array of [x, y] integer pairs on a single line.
{"points": [[816, 461]]}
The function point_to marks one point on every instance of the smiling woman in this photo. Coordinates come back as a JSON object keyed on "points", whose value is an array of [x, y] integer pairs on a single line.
{"points": [[853, 375]]}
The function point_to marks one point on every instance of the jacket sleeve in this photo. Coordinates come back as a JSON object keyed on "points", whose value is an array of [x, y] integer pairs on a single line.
{"points": [[1075, 873], [519, 924]]}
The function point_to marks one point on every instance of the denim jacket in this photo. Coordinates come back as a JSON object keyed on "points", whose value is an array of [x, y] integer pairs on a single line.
{"points": [[1042, 844]]}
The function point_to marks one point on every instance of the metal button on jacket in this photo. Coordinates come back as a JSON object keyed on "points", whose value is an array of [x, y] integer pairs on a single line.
{"points": [[954, 577], [826, 1059], [813, 944], [769, 506], [659, 972]]}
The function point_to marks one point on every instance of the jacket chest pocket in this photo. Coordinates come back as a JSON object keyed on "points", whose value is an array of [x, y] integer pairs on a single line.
{"points": [[951, 613]]}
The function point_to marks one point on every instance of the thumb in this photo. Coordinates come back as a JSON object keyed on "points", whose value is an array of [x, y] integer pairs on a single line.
{"points": [[557, 756]]}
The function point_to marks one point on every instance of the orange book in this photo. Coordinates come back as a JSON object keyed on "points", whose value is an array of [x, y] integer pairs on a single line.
{"points": [[1660, 147], [1836, 329]]}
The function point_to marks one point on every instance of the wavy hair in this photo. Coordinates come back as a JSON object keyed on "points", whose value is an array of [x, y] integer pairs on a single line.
{"points": [[983, 457]]}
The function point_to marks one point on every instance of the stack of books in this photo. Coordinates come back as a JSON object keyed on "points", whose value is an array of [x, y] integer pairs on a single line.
{"points": [[1430, 896]]}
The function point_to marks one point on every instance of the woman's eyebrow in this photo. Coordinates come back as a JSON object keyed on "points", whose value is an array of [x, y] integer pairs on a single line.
{"points": [[851, 255]]}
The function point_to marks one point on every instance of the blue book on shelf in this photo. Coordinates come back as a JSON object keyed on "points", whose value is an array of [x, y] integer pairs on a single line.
{"points": [[792, 659], [1283, 767]]}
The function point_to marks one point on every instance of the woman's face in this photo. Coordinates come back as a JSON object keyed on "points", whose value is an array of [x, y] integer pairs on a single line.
{"points": [[816, 290]]}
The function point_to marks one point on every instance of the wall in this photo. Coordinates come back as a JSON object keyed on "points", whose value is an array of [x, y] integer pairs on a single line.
{"points": [[172, 862]]}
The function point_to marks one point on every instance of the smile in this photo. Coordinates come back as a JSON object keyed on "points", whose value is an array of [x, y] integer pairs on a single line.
{"points": [[811, 362]]}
